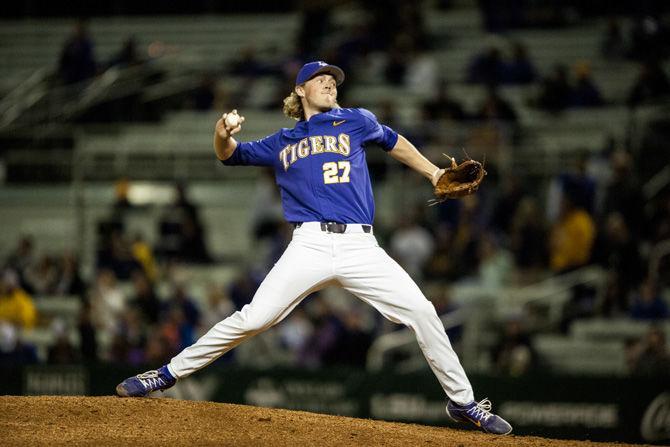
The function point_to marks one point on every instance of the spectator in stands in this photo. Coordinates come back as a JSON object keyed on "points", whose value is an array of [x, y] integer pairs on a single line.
{"points": [[219, 306], [651, 85], [555, 91], [506, 203], [352, 343], [412, 245], [579, 182], [422, 74], [441, 265], [16, 306], [520, 69], [130, 339], [22, 258], [496, 128], [128, 56], [176, 330], [14, 351], [527, 228], [623, 193], [463, 250], [61, 351], [158, 348], [585, 93], [615, 299], [266, 214], [277, 244], [108, 301], [514, 354], [659, 221], [327, 329], [499, 17], [648, 303], [617, 251], [353, 51], [572, 236], [649, 39], [143, 253], [144, 298], [202, 98], [117, 256], [88, 341], [121, 199], [495, 108], [496, 265], [652, 357], [393, 17], [397, 59], [442, 299], [613, 45], [69, 278], [43, 276], [295, 332], [314, 25], [442, 106], [487, 68], [186, 304], [182, 235], [77, 61], [248, 65], [243, 288]]}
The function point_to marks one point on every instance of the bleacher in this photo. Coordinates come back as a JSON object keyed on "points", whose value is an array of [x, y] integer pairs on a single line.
{"points": [[206, 41], [180, 145]]}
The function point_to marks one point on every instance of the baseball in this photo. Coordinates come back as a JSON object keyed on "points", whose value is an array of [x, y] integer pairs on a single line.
{"points": [[232, 120]]}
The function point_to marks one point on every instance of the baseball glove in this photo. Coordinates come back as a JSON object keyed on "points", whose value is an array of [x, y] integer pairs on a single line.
{"points": [[459, 180]]}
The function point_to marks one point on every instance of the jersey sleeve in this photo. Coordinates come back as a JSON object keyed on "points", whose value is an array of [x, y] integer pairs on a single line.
{"points": [[255, 153], [378, 133]]}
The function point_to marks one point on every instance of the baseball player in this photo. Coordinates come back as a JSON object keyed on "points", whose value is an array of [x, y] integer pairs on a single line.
{"points": [[322, 173]]}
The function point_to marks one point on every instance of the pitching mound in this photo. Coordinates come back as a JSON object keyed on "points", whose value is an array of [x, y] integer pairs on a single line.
{"points": [[75, 421]]}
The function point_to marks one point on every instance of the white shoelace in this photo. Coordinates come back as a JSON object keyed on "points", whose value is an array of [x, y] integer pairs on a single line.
{"points": [[482, 410], [150, 380]]}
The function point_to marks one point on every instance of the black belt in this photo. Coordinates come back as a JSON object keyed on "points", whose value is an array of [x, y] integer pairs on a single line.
{"points": [[335, 227]]}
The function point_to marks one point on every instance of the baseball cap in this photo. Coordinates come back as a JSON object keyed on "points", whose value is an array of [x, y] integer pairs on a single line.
{"points": [[311, 69]]}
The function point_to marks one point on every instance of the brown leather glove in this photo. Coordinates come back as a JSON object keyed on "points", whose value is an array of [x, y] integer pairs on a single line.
{"points": [[459, 180]]}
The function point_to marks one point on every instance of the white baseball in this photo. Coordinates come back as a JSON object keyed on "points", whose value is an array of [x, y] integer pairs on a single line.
{"points": [[232, 120]]}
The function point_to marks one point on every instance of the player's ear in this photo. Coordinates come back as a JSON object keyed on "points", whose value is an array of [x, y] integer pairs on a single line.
{"points": [[300, 90]]}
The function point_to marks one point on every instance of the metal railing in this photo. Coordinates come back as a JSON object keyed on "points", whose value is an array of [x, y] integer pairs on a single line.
{"points": [[34, 101]]}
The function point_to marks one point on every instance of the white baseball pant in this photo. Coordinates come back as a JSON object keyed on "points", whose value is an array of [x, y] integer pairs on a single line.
{"points": [[354, 261]]}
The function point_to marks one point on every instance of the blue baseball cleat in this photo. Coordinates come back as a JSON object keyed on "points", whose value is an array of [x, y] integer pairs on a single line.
{"points": [[479, 414], [143, 384]]}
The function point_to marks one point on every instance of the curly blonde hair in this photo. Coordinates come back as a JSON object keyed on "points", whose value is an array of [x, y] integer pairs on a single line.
{"points": [[293, 107]]}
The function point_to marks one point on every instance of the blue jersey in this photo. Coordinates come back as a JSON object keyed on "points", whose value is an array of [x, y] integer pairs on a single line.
{"points": [[320, 165]]}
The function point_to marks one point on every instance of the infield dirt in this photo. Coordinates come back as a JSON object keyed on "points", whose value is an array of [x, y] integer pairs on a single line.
{"points": [[103, 421]]}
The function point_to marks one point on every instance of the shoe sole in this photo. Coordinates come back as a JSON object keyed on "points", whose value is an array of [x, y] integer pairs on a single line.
{"points": [[122, 392]]}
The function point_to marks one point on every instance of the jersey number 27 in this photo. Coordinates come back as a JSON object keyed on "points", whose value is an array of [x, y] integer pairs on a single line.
{"points": [[331, 172]]}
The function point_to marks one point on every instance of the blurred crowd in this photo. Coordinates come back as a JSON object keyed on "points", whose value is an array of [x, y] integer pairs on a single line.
{"points": [[133, 311]]}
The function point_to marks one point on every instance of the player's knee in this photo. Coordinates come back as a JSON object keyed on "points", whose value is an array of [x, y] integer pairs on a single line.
{"points": [[255, 320], [424, 310]]}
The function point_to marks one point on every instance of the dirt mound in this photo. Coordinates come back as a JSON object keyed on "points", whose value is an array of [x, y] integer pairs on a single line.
{"points": [[56, 420]]}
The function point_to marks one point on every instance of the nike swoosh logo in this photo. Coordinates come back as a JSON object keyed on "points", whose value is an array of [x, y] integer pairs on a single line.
{"points": [[477, 423], [337, 123]]}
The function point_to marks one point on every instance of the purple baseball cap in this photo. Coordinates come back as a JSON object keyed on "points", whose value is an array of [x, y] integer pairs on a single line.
{"points": [[311, 69]]}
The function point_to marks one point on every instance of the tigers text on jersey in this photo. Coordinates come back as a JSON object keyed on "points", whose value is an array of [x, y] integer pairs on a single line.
{"points": [[320, 165]]}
